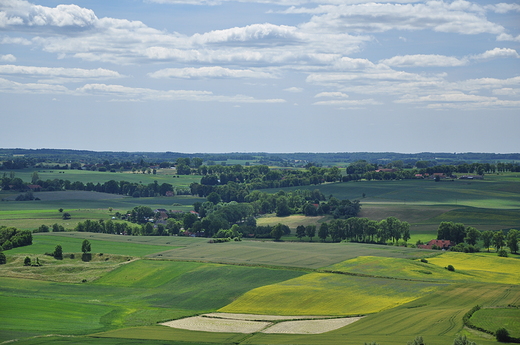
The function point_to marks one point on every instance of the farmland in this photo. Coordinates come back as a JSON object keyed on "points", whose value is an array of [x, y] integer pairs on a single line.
{"points": [[132, 284]]}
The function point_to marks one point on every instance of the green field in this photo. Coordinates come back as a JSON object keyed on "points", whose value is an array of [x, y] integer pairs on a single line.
{"points": [[131, 283], [492, 319]]}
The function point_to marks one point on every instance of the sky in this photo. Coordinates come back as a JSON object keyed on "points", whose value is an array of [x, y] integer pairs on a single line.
{"points": [[215, 76]]}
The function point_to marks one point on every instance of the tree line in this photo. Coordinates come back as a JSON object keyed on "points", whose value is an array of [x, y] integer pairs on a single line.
{"points": [[11, 237]]}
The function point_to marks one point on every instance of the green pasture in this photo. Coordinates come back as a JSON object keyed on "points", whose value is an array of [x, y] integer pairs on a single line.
{"points": [[495, 191], [287, 254], [29, 215], [163, 290], [492, 319], [86, 176], [46, 242]]}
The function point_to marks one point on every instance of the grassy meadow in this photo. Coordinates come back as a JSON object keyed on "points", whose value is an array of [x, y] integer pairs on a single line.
{"points": [[132, 283]]}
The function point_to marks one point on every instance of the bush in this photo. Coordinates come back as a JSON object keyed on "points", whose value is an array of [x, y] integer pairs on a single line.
{"points": [[450, 268], [462, 340], [424, 260], [502, 335], [502, 253], [27, 261], [3, 259]]}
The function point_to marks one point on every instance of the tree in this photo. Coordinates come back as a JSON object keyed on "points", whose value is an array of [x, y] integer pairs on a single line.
{"points": [[300, 231], [512, 240], [323, 232], [310, 231], [3, 259], [35, 177], [502, 335], [462, 340], [85, 247], [472, 235], [65, 216], [188, 220], [487, 238], [213, 198], [417, 341], [58, 252], [277, 232], [498, 240], [27, 261], [282, 207]]}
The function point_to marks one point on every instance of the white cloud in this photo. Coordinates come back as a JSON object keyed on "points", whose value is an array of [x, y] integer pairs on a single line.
{"points": [[356, 102], [503, 7], [456, 17], [497, 53], [209, 72], [8, 58], [332, 95], [59, 72], [507, 91], [420, 60], [15, 40], [508, 37], [294, 89]]}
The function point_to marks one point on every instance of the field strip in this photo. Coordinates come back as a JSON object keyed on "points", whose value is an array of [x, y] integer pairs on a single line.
{"points": [[228, 323], [310, 326], [208, 324], [257, 317]]}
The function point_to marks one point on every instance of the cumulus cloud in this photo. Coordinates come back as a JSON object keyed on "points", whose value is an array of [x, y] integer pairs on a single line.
{"points": [[209, 72], [294, 89], [332, 95], [420, 60], [456, 17], [59, 72], [8, 58], [497, 53]]}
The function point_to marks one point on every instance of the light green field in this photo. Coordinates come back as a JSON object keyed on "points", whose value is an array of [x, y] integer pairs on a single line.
{"points": [[85, 176], [329, 294], [46, 242], [29, 215], [139, 293], [492, 319], [289, 254]]}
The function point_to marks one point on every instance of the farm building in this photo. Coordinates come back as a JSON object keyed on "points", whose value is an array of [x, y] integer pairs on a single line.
{"points": [[442, 244]]}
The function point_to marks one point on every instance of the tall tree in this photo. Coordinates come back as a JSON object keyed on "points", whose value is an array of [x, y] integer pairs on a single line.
{"points": [[300, 231], [498, 240], [487, 238], [512, 240], [472, 235], [323, 232], [310, 231], [85, 246], [58, 252]]}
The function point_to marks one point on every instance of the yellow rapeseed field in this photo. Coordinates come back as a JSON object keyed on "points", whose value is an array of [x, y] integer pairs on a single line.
{"points": [[328, 294], [481, 267]]}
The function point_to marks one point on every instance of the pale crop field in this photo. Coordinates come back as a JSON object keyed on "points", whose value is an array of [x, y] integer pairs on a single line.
{"points": [[310, 326], [209, 324]]}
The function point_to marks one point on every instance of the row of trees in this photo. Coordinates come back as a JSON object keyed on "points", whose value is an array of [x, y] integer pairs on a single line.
{"points": [[459, 233], [11, 237]]}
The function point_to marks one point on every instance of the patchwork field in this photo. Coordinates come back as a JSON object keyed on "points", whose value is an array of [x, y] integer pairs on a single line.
{"points": [[132, 284]]}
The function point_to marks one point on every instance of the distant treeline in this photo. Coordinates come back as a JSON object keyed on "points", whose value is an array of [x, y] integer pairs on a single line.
{"points": [[23, 158]]}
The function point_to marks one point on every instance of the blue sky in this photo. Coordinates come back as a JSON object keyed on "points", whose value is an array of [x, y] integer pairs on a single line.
{"points": [[271, 76]]}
